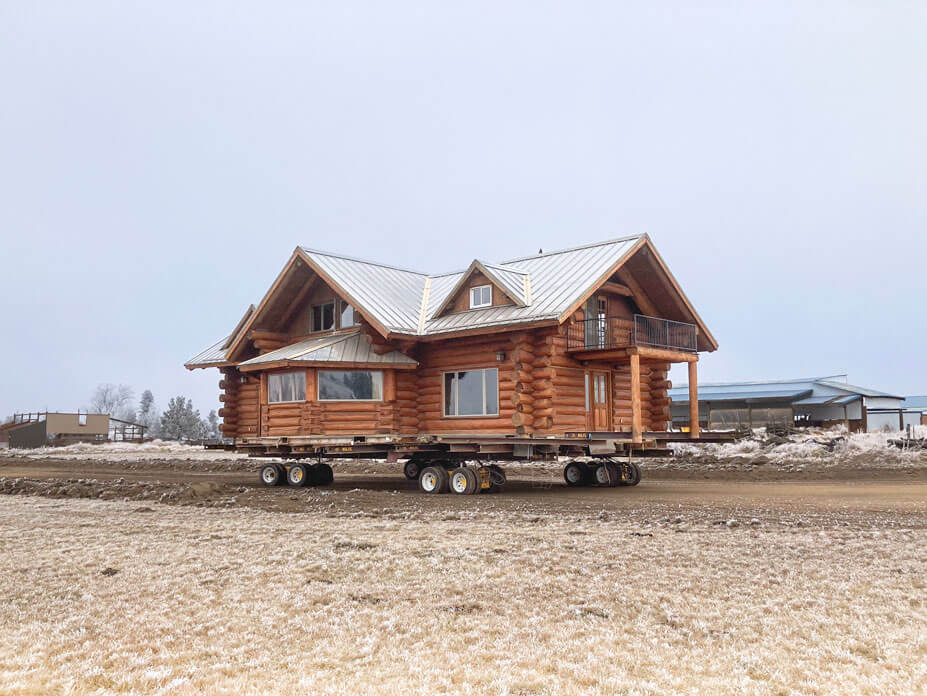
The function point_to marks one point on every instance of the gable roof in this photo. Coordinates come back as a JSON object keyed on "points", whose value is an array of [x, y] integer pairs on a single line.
{"points": [[513, 284], [545, 288]]}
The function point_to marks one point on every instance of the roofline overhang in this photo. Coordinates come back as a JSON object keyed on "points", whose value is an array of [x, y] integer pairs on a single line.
{"points": [[224, 363], [472, 331], [330, 364]]}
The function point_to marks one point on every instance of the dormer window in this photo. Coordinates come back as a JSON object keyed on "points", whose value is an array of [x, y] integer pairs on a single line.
{"points": [[481, 296]]}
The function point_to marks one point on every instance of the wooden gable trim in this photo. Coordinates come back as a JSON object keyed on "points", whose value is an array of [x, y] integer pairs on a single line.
{"points": [[703, 329], [381, 329], [239, 325], [601, 280], [294, 259], [493, 278]]}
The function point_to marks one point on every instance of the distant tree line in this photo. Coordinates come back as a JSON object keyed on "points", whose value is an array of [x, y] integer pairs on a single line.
{"points": [[179, 421]]}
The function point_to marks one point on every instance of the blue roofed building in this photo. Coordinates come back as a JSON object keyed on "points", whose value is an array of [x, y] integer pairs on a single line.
{"points": [[813, 401]]}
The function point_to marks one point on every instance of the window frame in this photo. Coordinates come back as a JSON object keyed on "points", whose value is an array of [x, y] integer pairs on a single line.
{"points": [[322, 305], [481, 288], [287, 401], [342, 305], [456, 414], [318, 388]]}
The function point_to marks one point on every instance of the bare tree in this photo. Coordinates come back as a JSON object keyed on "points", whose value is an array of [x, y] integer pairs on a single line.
{"points": [[114, 399]]}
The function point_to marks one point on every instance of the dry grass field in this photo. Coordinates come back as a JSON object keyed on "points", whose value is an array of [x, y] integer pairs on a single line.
{"points": [[614, 591]]}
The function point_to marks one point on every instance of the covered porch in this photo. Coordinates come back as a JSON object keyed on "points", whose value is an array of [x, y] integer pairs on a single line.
{"points": [[636, 341]]}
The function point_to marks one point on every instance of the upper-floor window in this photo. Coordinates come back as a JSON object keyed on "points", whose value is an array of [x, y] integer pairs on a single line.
{"points": [[348, 317], [283, 387], [481, 296], [323, 316], [82, 419]]}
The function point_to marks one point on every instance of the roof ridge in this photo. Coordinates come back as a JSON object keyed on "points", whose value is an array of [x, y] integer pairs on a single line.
{"points": [[354, 258], [576, 248]]}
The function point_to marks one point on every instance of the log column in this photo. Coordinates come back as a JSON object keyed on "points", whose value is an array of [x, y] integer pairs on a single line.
{"points": [[636, 430], [694, 431]]}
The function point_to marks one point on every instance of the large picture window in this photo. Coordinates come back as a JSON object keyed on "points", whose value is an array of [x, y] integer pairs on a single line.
{"points": [[471, 393], [350, 385], [283, 387]]}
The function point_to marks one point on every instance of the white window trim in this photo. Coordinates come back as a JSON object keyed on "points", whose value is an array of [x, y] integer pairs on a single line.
{"points": [[484, 414], [485, 304], [288, 401], [335, 315], [318, 389]]}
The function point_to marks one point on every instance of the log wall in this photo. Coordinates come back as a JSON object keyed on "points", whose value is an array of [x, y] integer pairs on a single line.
{"points": [[542, 390]]}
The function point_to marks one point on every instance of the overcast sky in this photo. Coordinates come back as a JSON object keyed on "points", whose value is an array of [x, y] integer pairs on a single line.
{"points": [[159, 163]]}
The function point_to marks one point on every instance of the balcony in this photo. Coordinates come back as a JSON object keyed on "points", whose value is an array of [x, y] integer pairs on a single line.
{"points": [[615, 333]]}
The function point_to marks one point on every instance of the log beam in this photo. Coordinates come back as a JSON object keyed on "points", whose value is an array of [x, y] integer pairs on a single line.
{"points": [[636, 425], [693, 400]]}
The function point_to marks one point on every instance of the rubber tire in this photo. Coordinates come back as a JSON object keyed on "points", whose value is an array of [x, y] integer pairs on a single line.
{"points": [[497, 475], [440, 474], [412, 469], [584, 474], [635, 475], [472, 481], [300, 471], [322, 474], [270, 481], [609, 472]]}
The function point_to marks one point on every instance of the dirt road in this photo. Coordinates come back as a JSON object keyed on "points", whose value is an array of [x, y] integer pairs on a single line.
{"points": [[366, 488]]}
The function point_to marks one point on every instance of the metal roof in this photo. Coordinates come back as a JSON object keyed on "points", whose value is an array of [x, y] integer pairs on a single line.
{"points": [[214, 355], [338, 348], [781, 395], [915, 401], [404, 302], [811, 391]]}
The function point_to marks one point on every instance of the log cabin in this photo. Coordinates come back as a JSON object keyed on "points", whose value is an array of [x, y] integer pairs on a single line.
{"points": [[578, 340]]}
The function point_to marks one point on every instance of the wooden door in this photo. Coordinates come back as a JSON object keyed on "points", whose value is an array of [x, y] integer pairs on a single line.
{"points": [[598, 411]]}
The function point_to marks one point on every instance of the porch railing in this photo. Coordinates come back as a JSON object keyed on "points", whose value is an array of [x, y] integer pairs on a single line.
{"points": [[610, 333]]}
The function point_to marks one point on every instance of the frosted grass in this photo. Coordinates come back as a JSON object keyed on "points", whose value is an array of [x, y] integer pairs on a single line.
{"points": [[240, 601]]}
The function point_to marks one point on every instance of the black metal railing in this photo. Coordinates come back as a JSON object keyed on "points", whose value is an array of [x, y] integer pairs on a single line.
{"points": [[608, 333]]}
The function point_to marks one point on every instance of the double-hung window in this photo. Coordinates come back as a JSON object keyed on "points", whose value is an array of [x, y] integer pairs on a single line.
{"points": [[284, 387], [350, 385], [480, 296], [471, 393]]}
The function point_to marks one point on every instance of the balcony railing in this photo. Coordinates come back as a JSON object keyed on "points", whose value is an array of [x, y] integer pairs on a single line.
{"points": [[610, 333]]}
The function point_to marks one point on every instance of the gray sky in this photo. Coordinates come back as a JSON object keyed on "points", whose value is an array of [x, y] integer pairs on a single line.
{"points": [[159, 163]]}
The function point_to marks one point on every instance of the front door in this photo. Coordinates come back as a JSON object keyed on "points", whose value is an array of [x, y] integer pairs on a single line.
{"points": [[597, 401]]}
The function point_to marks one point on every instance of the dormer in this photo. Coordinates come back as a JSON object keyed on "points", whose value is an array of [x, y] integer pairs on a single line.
{"points": [[485, 285]]}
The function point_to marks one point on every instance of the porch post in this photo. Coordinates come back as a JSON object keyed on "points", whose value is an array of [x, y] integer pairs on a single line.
{"points": [[694, 431], [636, 428]]}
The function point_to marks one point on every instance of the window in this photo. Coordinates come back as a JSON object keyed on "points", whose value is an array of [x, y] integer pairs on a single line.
{"points": [[283, 387], [471, 393], [348, 316], [323, 316], [82, 419], [350, 385], [481, 296]]}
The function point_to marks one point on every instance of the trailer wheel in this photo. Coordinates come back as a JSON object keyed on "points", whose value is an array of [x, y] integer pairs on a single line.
{"points": [[271, 475], [322, 474], [633, 473], [412, 469], [464, 481], [577, 474], [297, 475], [606, 474], [433, 479]]}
